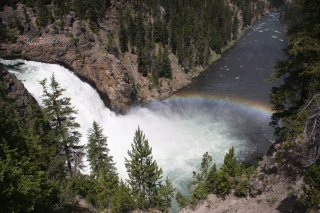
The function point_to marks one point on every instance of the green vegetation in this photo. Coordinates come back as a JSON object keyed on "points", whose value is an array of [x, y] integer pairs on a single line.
{"points": [[154, 29], [60, 115], [41, 161], [182, 201], [311, 196], [103, 169], [57, 179], [40, 155], [26, 184], [301, 70], [296, 101], [43, 14], [230, 177], [187, 29], [4, 34], [145, 176], [98, 152]]}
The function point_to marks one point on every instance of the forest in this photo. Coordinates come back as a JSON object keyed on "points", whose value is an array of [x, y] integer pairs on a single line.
{"points": [[43, 167], [41, 160], [152, 30], [296, 101]]}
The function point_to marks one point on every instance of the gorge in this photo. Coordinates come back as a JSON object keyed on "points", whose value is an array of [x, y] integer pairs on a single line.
{"points": [[225, 106]]}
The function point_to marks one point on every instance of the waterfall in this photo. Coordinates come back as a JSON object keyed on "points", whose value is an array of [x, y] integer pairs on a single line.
{"points": [[179, 130]]}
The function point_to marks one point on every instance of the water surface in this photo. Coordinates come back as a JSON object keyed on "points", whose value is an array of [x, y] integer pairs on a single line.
{"points": [[226, 106]]}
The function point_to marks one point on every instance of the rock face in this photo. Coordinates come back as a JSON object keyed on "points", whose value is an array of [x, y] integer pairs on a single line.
{"points": [[91, 56], [78, 48], [15, 90], [272, 190], [112, 80]]}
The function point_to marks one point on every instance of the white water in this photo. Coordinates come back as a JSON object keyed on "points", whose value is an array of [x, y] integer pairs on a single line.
{"points": [[178, 137]]}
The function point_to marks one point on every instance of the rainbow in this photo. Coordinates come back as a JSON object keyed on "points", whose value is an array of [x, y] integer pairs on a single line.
{"points": [[248, 105]]}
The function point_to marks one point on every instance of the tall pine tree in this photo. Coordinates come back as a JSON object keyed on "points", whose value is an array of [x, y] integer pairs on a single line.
{"points": [[60, 114], [102, 166], [144, 173], [98, 152]]}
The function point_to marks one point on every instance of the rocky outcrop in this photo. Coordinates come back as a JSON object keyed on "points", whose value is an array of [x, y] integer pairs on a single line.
{"points": [[14, 90], [86, 53], [274, 188], [113, 82], [82, 55]]}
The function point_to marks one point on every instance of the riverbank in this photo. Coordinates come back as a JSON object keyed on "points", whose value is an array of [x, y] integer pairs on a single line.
{"points": [[83, 51]]}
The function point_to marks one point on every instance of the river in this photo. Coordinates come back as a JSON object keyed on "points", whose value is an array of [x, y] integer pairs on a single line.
{"points": [[226, 106]]}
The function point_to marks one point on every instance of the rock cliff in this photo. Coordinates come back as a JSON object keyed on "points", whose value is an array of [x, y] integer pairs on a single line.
{"points": [[15, 91], [86, 53]]}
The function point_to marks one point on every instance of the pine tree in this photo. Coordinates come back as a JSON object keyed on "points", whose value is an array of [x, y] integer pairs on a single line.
{"points": [[80, 9], [165, 64], [132, 32], [4, 33], [123, 37], [103, 168], [204, 169], [166, 193], [43, 14], [25, 184], [60, 115], [144, 173], [182, 201], [200, 179], [230, 164], [140, 34], [98, 152], [122, 200], [142, 63]]}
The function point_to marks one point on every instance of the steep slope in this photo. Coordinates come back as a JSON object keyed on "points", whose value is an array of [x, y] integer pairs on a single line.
{"points": [[127, 68], [287, 179]]}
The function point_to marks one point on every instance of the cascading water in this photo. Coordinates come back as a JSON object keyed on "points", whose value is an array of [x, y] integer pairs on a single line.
{"points": [[226, 106], [179, 130]]}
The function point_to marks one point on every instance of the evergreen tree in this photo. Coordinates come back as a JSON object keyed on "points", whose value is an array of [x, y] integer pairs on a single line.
{"points": [[140, 34], [166, 193], [143, 63], [60, 114], [122, 200], [43, 14], [132, 32], [123, 39], [204, 169], [144, 173], [311, 190], [230, 176], [230, 164], [182, 201], [102, 166], [4, 33], [80, 9], [25, 185], [160, 32], [105, 188], [200, 180], [98, 152], [165, 65]]}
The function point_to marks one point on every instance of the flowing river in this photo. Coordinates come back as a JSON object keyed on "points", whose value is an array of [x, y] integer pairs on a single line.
{"points": [[225, 106]]}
